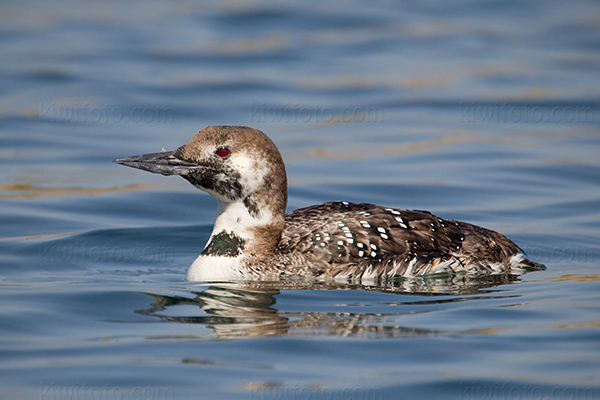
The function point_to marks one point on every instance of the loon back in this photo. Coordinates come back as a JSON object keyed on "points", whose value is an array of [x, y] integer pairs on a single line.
{"points": [[365, 241]]}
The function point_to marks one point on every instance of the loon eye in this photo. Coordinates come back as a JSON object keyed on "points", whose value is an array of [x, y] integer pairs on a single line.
{"points": [[222, 152]]}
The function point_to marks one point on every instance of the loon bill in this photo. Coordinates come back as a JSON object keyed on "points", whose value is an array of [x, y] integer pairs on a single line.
{"points": [[253, 237]]}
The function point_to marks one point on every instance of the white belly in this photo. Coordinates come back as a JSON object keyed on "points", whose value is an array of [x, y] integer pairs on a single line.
{"points": [[215, 268]]}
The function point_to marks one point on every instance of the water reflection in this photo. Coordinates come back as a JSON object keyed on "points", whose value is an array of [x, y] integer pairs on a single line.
{"points": [[246, 309]]}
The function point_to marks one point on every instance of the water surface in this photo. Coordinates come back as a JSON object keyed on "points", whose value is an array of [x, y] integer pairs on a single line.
{"points": [[486, 112]]}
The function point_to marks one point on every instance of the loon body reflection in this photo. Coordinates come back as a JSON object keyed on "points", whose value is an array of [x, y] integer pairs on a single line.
{"points": [[253, 238]]}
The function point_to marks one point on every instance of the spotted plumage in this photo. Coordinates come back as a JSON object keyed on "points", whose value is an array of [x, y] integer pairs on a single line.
{"points": [[352, 240], [253, 238]]}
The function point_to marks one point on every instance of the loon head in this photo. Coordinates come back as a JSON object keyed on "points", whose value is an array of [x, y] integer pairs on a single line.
{"points": [[242, 168]]}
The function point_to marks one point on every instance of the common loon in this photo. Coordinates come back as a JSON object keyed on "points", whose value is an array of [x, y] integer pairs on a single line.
{"points": [[253, 237]]}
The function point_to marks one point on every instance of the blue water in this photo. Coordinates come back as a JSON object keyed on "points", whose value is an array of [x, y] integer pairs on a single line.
{"points": [[487, 112]]}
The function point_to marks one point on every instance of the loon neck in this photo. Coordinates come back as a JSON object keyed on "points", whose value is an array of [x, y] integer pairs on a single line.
{"points": [[242, 229]]}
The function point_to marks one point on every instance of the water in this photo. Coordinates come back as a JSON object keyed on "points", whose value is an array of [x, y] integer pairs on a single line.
{"points": [[486, 112]]}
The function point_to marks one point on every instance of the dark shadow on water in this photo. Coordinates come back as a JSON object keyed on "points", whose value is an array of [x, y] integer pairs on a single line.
{"points": [[246, 309]]}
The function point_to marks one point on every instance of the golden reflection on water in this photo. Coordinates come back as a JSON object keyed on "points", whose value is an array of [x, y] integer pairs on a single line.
{"points": [[29, 191], [410, 148], [577, 278]]}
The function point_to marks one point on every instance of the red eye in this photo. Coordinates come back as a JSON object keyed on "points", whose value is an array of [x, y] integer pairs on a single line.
{"points": [[223, 152]]}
